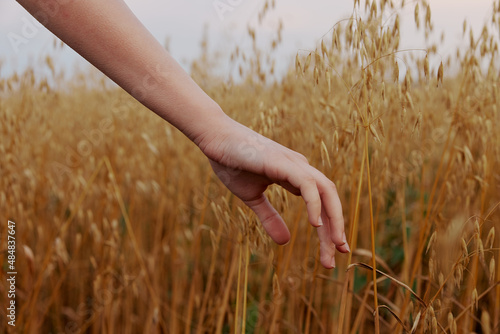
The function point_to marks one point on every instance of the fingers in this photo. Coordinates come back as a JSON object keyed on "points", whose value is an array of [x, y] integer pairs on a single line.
{"points": [[290, 188], [324, 208], [270, 219], [327, 247], [332, 209], [320, 193], [310, 194]]}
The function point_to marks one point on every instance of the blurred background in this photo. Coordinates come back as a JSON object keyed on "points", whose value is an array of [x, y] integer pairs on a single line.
{"points": [[181, 26], [122, 227]]}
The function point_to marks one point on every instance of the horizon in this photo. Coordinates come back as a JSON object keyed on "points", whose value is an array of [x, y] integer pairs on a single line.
{"points": [[304, 25]]}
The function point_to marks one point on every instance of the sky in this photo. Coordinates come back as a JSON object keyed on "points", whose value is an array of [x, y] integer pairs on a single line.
{"points": [[183, 23]]}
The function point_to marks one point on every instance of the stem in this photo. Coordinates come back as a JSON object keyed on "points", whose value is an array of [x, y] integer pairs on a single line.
{"points": [[405, 236], [353, 239], [245, 285], [227, 291], [374, 262], [196, 252], [236, 313]]}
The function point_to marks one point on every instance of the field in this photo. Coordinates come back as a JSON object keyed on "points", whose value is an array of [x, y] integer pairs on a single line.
{"points": [[122, 227]]}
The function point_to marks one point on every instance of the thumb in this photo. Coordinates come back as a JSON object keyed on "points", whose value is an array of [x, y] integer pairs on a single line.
{"points": [[270, 219]]}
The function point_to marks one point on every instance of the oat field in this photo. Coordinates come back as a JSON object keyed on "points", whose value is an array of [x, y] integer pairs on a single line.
{"points": [[122, 227]]}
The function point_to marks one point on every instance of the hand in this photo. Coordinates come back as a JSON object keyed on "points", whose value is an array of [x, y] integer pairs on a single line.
{"points": [[108, 35], [247, 163]]}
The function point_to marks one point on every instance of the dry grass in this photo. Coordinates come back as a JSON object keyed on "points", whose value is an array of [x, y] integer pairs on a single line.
{"points": [[123, 228]]}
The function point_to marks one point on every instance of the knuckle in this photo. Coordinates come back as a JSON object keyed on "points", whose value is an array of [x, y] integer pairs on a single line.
{"points": [[269, 217], [328, 187], [309, 179], [332, 186], [302, 157]]}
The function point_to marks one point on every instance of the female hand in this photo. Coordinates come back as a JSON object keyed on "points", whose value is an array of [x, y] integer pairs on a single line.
{"points": [[247, 163], [108, 35]]}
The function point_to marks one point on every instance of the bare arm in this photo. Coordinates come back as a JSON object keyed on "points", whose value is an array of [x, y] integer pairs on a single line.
{"points": [[107, 34]]}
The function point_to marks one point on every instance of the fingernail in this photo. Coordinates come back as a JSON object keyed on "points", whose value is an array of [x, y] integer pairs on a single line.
{"points": [[320, 221], [347, 247], [333, 262]]}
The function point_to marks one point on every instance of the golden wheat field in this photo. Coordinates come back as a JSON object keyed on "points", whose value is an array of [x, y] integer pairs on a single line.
{"points": [[122, 227]]}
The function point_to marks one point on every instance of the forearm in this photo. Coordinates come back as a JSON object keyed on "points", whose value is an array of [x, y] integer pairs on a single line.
{"points": [[108, 35]]}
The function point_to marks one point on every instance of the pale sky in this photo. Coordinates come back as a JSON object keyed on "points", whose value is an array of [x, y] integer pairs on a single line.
{"points": [[183, 23]]}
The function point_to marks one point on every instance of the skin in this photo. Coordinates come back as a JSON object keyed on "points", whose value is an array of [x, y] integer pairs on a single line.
{"points": [[108, 35]]}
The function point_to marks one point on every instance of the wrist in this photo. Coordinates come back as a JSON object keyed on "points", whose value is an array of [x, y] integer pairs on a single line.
{"points": [[209, 130]]}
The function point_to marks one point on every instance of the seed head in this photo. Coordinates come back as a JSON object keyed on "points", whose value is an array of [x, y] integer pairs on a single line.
{"points": [[308, 62], [417, 10], [440, 74], [490, 239], [492, 270], [426, 67], [475, 299]]}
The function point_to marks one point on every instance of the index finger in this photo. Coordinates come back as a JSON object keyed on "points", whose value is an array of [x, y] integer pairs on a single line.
{"points": [[332, 207]]}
